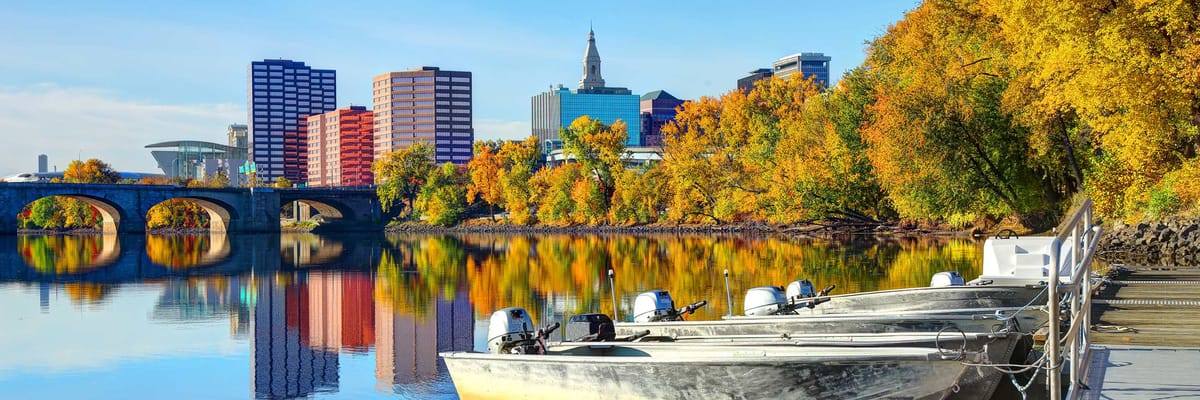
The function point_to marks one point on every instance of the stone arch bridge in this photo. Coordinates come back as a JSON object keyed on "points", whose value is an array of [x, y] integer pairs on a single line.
{"points": [[124, 207]]}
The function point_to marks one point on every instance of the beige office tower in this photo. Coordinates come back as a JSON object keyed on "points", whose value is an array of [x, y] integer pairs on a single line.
{"points": [[424, 105]]}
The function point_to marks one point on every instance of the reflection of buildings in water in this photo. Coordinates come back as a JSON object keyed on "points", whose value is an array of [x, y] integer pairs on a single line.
{"points": [[406, 346], [341, 311], [282, 365], [300, 323], [201, 299]]}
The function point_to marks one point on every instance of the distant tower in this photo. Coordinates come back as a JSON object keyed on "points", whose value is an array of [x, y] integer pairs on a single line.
{"points": [[591, 65], [43, 163]]}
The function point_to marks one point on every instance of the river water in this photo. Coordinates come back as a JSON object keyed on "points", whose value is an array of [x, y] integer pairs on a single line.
{"points": [[281, 316]]}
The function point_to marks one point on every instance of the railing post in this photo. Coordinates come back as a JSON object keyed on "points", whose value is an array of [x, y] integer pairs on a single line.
{"points": [[1052, 372]]}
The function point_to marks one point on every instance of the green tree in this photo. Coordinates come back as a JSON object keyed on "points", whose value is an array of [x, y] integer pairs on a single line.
{"points": [[399, 175], [46, 213], [443, 197]]}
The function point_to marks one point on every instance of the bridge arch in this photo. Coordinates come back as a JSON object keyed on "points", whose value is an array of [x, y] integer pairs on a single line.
{"points": [[328, 209], [220, 214], [111, 214]]}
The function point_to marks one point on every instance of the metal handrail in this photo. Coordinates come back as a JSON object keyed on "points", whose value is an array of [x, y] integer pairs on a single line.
{"points": [[1083, 237]]}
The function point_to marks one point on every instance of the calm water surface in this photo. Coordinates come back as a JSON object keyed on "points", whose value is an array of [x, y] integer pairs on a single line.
{"points": [[281, 316]]}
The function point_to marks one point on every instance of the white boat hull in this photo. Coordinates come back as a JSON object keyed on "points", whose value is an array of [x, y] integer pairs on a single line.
{"points": [[672, 371]]}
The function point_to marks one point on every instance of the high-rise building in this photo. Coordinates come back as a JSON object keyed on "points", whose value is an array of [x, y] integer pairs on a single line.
{"points": [[747, 83], [237, 136], [810, 64], [340, 147], [43, 164], [658, 108], [281, 95], [558, 107], [424, 105]]}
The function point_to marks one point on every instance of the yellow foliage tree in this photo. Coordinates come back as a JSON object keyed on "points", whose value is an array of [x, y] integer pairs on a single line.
{"points": [[485, 170]]}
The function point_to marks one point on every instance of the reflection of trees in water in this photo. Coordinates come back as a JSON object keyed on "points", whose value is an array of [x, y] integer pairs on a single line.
{"points": [[62, 254], [523, 271], [177, 251], [412, 273], [88, 293]]}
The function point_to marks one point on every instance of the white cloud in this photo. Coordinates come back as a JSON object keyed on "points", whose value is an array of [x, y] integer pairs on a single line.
{"points": [[497, 129], [66, 123]]}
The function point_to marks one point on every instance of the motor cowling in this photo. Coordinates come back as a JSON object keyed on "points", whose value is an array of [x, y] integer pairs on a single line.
{"points": [[801, 289], [764, 300], [653, 306], [508, 328], [946, 278], [590, 328]]}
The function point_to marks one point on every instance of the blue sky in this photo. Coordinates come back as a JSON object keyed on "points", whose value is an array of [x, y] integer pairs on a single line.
{"points": [[103, 79]]}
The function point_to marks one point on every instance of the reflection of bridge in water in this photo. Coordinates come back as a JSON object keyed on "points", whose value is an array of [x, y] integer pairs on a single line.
{"points": [[124, 207], [126, 258]]}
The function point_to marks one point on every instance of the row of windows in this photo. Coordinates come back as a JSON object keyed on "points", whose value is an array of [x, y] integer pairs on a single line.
{"points": [[294, 88], [294, 109], [298, 80]]}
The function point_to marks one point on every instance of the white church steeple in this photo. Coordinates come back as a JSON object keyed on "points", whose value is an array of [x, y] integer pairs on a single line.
{"points": [[591, 65]]}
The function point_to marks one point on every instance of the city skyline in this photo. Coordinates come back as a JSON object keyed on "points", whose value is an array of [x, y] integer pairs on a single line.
{"points": [[157, 74]]}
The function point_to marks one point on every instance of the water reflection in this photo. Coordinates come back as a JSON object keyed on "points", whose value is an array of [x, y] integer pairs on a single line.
{"points": [[58, 254], [314, 315]]}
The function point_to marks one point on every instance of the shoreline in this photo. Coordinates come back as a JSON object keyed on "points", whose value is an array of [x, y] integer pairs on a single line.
{"points": [[794, 230]]}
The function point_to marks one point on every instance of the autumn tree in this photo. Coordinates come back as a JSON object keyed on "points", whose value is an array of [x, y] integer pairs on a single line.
{"points": [[90, 171], [940, 140], [705, 159], [1116, 79], [400, 174], [485, 170], [280, 183], [552, 189], [520, 160], [639, 196], [598, 148]]}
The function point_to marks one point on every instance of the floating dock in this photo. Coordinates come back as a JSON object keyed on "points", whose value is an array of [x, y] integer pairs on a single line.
{"points": [[1146, 334], [1148, 306]]}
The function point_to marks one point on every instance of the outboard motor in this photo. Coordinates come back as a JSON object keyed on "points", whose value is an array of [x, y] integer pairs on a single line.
{"points": [[509, 327], [946, 278], [653, 306], [801, 289], [765, 300], [590, 328]]}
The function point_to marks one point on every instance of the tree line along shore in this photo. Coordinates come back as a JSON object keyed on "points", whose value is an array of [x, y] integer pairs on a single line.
{"points": [[971, 116]]}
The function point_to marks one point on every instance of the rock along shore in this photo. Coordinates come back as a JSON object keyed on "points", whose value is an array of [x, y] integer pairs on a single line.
{"points": [[1173, 241]]}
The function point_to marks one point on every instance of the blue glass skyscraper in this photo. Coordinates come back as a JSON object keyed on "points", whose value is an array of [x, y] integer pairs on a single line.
{"points": [[281, 94], [558, 107]]}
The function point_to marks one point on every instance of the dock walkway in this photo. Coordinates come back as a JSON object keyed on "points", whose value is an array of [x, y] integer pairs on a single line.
{"points": [[1149, 306], [1146, 335], [1143, 373]]}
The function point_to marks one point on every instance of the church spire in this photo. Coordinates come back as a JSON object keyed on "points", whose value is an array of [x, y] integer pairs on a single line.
{"points": [[591, 65]]}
